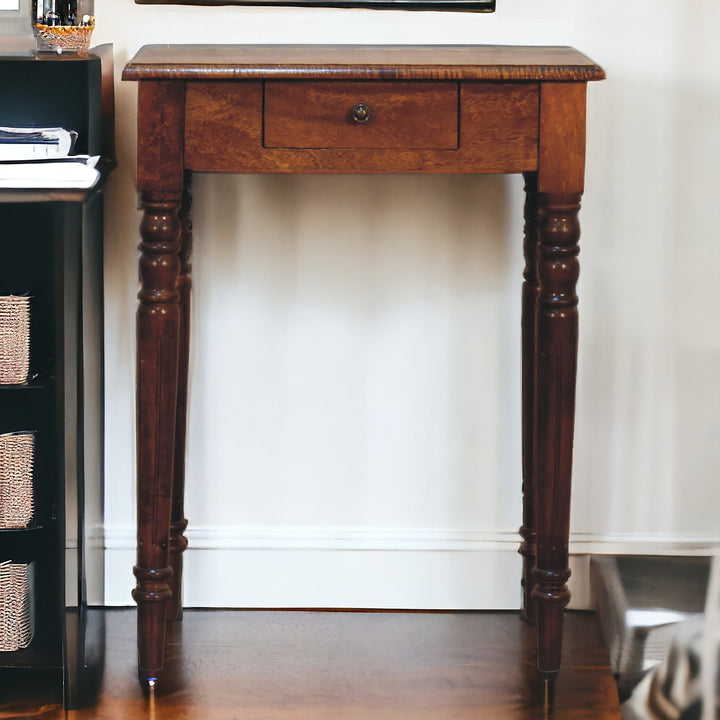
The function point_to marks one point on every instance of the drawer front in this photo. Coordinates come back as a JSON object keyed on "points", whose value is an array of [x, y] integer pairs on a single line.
{"points": [[362, 115]]}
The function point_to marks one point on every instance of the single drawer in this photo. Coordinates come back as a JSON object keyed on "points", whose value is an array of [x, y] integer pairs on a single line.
{"points": [[369, 115]]}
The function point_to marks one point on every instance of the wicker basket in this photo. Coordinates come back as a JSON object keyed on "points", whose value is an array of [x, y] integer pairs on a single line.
{"points": [[16, 621], [17, 455], [63, 38], [14, 339]]}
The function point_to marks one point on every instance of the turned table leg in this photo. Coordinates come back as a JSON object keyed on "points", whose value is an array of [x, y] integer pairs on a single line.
{"points": [[178, 522], [560, 182], [528, 548], [161, 110], [157, 348], [555, 371]]}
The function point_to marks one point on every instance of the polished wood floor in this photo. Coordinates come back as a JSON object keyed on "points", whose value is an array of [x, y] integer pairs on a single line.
{"points": [[299, 665]]}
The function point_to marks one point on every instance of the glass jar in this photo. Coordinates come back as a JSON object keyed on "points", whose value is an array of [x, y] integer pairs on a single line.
{"points": [[63, 25]]}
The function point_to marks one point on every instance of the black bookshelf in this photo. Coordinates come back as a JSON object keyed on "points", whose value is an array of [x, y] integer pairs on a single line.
{"points": [[51, 249]]}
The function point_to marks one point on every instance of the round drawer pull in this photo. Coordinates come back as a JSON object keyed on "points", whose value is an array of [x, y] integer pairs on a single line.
{"points": [[360, 113]]}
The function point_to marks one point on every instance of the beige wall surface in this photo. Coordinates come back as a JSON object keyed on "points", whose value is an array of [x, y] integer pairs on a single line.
{"points": [[354, 401]]}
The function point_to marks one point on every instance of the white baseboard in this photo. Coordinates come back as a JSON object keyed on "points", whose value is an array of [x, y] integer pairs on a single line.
{"points": [[363, 568]]}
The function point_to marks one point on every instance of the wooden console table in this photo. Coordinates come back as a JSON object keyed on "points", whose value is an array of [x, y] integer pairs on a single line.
{"points": [[360, 109]]}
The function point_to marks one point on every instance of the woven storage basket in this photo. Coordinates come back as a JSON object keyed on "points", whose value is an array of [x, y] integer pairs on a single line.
{"points": [[17, 455], [14, 339], [16, 622]]}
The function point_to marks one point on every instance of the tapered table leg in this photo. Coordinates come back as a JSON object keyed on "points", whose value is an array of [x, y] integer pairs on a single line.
{"points": [[529, 301], [178, 523], [555, 371], [157, 348]]}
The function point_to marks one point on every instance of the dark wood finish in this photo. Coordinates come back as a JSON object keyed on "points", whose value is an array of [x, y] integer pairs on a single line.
{"points": [[498, 124], [560, 178], [261, 665], [160, 178], [178, 521], [220, 108], [556, 324], [360, 62], [528, 547], [561, 161], [401, 115]]}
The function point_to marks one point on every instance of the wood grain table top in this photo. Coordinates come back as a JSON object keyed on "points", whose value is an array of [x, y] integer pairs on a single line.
{"points": [[345, 62]]}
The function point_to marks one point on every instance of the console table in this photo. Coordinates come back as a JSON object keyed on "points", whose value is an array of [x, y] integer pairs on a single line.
{"points": [[360, 109]]}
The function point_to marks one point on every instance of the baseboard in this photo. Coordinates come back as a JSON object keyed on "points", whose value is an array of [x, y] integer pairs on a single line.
{"points": [[363, 568]]}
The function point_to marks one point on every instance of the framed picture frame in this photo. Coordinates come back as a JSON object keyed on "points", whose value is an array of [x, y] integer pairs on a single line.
{"points": [[447, 5]]}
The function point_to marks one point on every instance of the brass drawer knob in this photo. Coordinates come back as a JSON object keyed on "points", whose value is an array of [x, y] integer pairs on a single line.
{"points": [[360, 113]]}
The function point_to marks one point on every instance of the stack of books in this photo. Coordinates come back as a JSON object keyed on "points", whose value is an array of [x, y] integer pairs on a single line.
{"points": [[41, 158]]}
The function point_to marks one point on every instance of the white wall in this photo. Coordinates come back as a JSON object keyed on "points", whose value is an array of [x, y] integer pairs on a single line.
{"points": [[355, 412]]}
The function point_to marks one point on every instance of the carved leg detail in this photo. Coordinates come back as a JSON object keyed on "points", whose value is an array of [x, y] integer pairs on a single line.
{"points": [[157, 338], [529, 302], [178, 542], [555, 371]]}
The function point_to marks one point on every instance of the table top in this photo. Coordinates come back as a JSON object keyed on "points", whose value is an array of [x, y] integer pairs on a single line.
{"points": [[361, 62]]}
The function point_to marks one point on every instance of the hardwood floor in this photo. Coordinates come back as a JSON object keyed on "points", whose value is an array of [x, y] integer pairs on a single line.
{"points": [[307, 665]]}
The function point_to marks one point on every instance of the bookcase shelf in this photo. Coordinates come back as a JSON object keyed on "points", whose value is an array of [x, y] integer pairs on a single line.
{"points": [[51, 249]]}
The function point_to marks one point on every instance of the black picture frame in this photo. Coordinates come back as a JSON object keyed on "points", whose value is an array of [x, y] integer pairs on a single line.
{"points": [[445, 5]]}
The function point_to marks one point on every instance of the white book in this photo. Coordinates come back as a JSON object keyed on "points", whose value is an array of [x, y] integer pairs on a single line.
{"points": [[77, 172], [35, 143]]}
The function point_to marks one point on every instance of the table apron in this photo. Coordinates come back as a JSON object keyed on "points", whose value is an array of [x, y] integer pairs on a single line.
{"points": [[478, 127]]}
